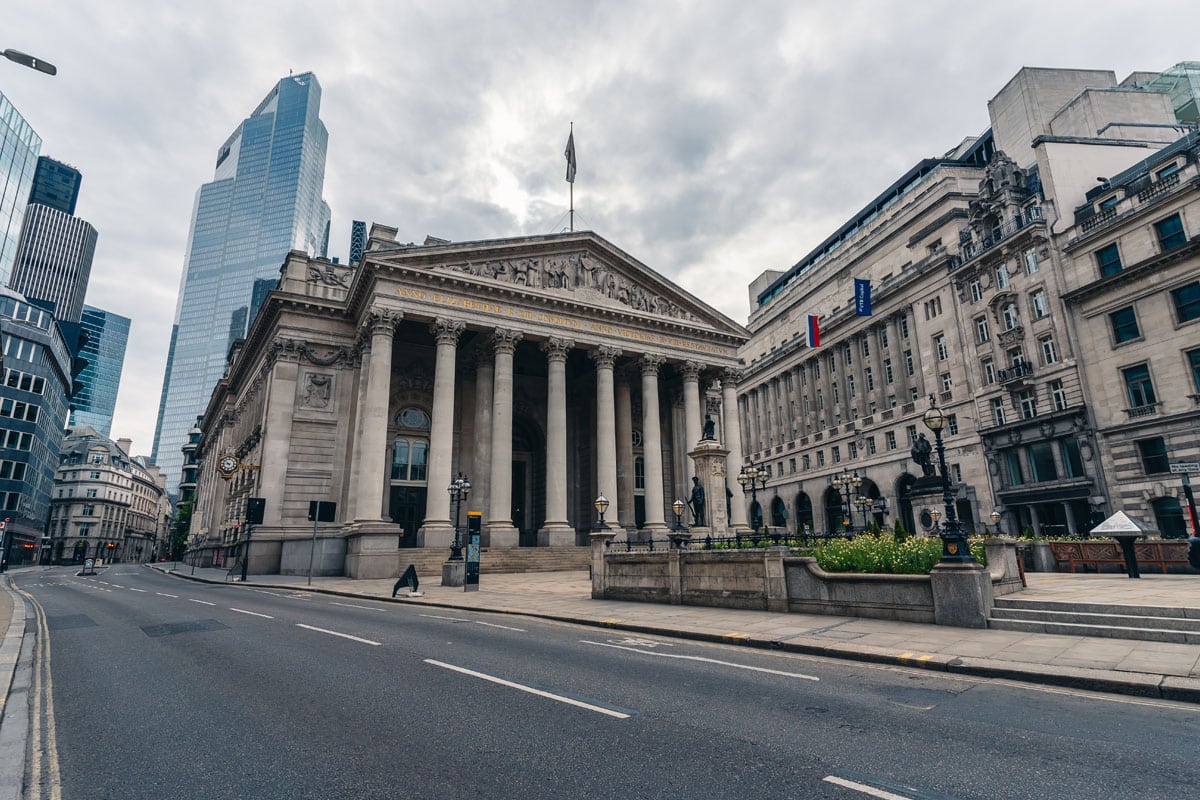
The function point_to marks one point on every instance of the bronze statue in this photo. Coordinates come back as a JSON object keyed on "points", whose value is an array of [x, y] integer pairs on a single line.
{"points": [[697, 502], [710, 429], [920, 454]]}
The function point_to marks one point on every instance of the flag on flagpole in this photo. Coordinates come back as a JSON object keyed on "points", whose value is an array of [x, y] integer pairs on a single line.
{"points": [[862, 297], [570, 154], [814, 331]]}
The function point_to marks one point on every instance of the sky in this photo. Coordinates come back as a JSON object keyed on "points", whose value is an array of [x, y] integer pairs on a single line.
{"points": [[714, 139]]}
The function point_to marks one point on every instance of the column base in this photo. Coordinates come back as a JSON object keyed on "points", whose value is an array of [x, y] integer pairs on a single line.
{"points": [[655, 530], [556, 535], [503, 534], [435, 535]]}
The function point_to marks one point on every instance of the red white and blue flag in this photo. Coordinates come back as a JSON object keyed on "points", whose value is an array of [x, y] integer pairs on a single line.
{"points": [[814, 331]]}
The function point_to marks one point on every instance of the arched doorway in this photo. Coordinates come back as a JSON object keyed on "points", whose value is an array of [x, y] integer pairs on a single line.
{"points": [[835, 513], [804, 514], [756, 515], [1168, 517], [904, 509], [779, 515], [408, 483], [873, 514]]}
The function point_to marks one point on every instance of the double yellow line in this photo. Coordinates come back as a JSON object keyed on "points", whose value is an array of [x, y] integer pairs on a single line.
{"points": [[45, 780]]}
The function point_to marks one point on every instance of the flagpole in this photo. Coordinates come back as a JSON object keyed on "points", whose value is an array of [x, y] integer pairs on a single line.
{"points": [[572, 182]]}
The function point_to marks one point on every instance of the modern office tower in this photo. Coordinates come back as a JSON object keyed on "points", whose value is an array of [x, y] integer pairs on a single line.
{"points": [[54, 260], [358, 239], [108, 334], [264, 201], [55, 184], [19, 147]]}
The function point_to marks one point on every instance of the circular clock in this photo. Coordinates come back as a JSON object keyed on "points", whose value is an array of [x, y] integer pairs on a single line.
{"points": [[227, 465]]}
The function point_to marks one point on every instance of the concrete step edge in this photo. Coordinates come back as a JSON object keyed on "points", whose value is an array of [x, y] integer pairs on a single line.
{"points": [[1112, 620], [1177, 612], [1096, 631]]}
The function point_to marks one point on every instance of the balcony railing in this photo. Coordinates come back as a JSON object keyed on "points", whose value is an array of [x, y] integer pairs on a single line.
{"points": [[1017, 372], [1023, 220], [1158, 187], [1148, 410]]}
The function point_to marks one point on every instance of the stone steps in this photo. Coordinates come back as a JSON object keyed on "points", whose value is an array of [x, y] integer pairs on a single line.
{"points": [[1146, 623], [505, 560]]}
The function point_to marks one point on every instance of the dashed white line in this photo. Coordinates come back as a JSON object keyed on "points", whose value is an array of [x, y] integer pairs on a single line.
{"points": [[494, 625], [335, 633], [864, 788], [143, 591], [522, 687], [251, 613], [352, 605], [202, 602], [164, 594], [800, 675], [117, 586]]}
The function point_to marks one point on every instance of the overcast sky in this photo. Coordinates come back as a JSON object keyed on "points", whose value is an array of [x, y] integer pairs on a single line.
{"points": [[714, 139]]}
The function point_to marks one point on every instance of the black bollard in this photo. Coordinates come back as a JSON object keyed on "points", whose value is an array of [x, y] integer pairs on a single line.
{"points": [[1194, 552]]}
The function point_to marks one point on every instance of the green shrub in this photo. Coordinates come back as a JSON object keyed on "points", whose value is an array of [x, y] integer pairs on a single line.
{"points": [[900, 532], [889, 555]]}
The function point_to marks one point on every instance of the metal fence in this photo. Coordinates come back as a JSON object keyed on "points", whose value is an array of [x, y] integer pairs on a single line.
{"points": [[749, 541]]}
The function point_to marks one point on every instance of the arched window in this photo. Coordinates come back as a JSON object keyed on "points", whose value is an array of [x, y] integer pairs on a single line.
{"points": [[410, 451], [639, 473]]}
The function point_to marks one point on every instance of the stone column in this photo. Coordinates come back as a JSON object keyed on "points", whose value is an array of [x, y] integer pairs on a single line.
{"points": [[733, 441], [437, 531], [691, 405], [501, 531], [277, 436], [481, 475], [656, 523], [754, 419], [606, 430], [880, 395], [372, 434], [556, 532], [625, 489]]}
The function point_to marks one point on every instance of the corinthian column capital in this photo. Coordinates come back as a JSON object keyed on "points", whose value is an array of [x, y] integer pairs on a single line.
{"points": [[447, 331], [604, 356], [651, 363], [505, 340], [556, 349]]}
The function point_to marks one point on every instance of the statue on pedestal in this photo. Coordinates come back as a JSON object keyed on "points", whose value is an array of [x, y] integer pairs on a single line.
{"points": [[697, 503], [920, 454], [710, 429]]}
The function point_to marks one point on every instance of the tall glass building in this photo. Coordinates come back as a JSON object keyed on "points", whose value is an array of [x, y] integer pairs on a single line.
{"points": [[55, 184], [54, 260], [19, 147], [264, 200], [96, 397]]}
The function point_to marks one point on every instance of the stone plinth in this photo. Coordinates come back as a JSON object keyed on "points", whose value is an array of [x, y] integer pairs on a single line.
{"points": [[962, 595], [709, 458], [454, 573]]}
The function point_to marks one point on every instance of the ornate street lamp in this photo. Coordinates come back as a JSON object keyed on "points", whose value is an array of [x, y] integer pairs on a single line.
{"points": [[601, 505], [864, 504], [752, 478], [459, 489], [847, 485], [996, 521], [955, 549], [678, 507]]}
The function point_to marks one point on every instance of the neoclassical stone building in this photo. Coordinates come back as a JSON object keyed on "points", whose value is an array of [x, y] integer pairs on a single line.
{"points": [[548, 370]]}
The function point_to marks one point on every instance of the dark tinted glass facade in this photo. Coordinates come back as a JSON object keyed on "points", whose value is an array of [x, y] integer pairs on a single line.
{"points": [[56, 185], [19, 147], [108, 334]]}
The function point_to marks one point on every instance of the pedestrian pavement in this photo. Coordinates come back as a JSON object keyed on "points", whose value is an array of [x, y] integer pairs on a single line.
{"points": [[1133, 667]]}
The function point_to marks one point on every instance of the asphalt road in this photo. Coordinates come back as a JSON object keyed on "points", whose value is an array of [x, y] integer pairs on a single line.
{"points": [[160, 688]]}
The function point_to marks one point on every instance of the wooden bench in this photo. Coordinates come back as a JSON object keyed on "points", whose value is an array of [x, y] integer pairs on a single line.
{"points": [[1152, 553]]}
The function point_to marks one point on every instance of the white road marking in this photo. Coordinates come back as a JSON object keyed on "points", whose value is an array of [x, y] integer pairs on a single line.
{"points": [[800, 675], [164, 594], [117, 586], [521, 687], [352, 605], [251, 613], [452, 619], [203, 602], [335, 633], [640, 642], [143, 591], [864, 788], [477, 622]]}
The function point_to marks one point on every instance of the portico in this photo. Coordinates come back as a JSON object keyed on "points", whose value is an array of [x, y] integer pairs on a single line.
{"points": [[548, 369]]}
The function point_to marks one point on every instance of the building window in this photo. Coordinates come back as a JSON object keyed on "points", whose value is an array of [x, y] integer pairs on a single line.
{"points": [[911, 430], [871, 445], [816, 369], [956, 473], [639, 473], [791, 466], [15, 470], [848, 355], [1187, 302], [868, 379], [1016, 477], [1124, 325], [1041, 462], [1028, 403], [1139, 386], [837, 454], [914, 394], [1153, 453], [1016, 357], [908, 362], [952, 424], [1058, 395], [1001, 277], [1031, 261], [976, 290], [1037, 301], [989, 371], [1072, 462], [1193, 357], [1108, 259], [850, 392], [947, 382], [1009, 316], [90, 493], [891, 401], [904, 327], [852, 449], [1170, 232], [883, 339], [409, 459], [998, 410], [807, 462], [820, 458], [933, 308], [888, 376], [889, 438], [982, 331], [837, 397], [939, 344], [1049, 351]]}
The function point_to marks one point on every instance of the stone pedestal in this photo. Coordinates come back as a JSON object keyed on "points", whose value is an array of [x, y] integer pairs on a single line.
{"points": [[435, 535], [503, 534], [600, 538], [962, 595], [709, 458], [926, 493], [454, 573], [556, 536]]}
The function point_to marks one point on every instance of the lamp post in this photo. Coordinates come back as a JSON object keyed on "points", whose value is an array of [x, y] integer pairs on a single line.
{"points": [[864, 504], [752, 478], [459, 488], [601, 505], [847, 483], [33, 62], [678, 506], [954, 539], [996, 521]]}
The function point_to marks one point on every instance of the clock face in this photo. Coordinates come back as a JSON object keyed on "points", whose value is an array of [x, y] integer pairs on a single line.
{"points": [[227, 464]]}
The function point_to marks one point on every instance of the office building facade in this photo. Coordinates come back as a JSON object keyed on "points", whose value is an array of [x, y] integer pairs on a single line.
{"points": [[56, 185], [99, 381], [54, 260], [19, 148], [264, 201]]}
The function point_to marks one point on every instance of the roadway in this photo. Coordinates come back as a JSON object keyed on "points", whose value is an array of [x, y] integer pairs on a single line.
{"points": [[157, 687]]}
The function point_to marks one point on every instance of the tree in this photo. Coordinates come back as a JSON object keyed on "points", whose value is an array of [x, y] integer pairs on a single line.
{"points": [[179, 530], [900, 532]]}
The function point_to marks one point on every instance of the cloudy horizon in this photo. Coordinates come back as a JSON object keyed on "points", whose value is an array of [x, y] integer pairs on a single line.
{"points": [[715, 140]]}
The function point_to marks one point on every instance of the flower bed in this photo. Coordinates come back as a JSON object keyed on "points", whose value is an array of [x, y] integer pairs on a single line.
{"points": [[887, 555]]}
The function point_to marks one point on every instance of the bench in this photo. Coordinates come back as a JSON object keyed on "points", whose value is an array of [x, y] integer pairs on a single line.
{"points": [[1152, 553]]}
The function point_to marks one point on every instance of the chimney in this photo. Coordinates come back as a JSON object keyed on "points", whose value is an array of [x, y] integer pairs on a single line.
{"points": [[126, 445]]}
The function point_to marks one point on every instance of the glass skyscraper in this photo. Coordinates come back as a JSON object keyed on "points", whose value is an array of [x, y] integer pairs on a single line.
{"points": [[264, 200], [55, 184], [19, 147], [108, 334]]}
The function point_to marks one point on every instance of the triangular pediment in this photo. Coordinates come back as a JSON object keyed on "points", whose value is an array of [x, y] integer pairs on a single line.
{"points": [[578, 268]]}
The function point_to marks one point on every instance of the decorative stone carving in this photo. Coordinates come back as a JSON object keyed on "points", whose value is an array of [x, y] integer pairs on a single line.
{"points": [[691, 370], [732, 376], [317, 390], [604, 356], [329, 276], [505, 340], [447, 331], [651, 362], [383, 320], [297, 351], [556, 349]]}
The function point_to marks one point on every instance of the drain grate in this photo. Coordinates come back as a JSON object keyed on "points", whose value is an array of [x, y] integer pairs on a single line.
{"points": [[172, 628]]}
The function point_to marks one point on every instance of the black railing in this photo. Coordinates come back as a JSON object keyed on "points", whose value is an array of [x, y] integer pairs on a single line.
{"points": [[1015, 372], [748, 541]]}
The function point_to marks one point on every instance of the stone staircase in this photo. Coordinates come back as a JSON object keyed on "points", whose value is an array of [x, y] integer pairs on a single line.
{"points": [[1148, 623], [509, 559]]}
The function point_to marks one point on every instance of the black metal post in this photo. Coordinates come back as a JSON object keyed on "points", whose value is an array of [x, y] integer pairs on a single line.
{"points": [[246, 554], [955, 549]]}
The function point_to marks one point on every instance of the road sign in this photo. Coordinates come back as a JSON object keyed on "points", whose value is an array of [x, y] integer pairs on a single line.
{"points": [[1185, 466]]}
